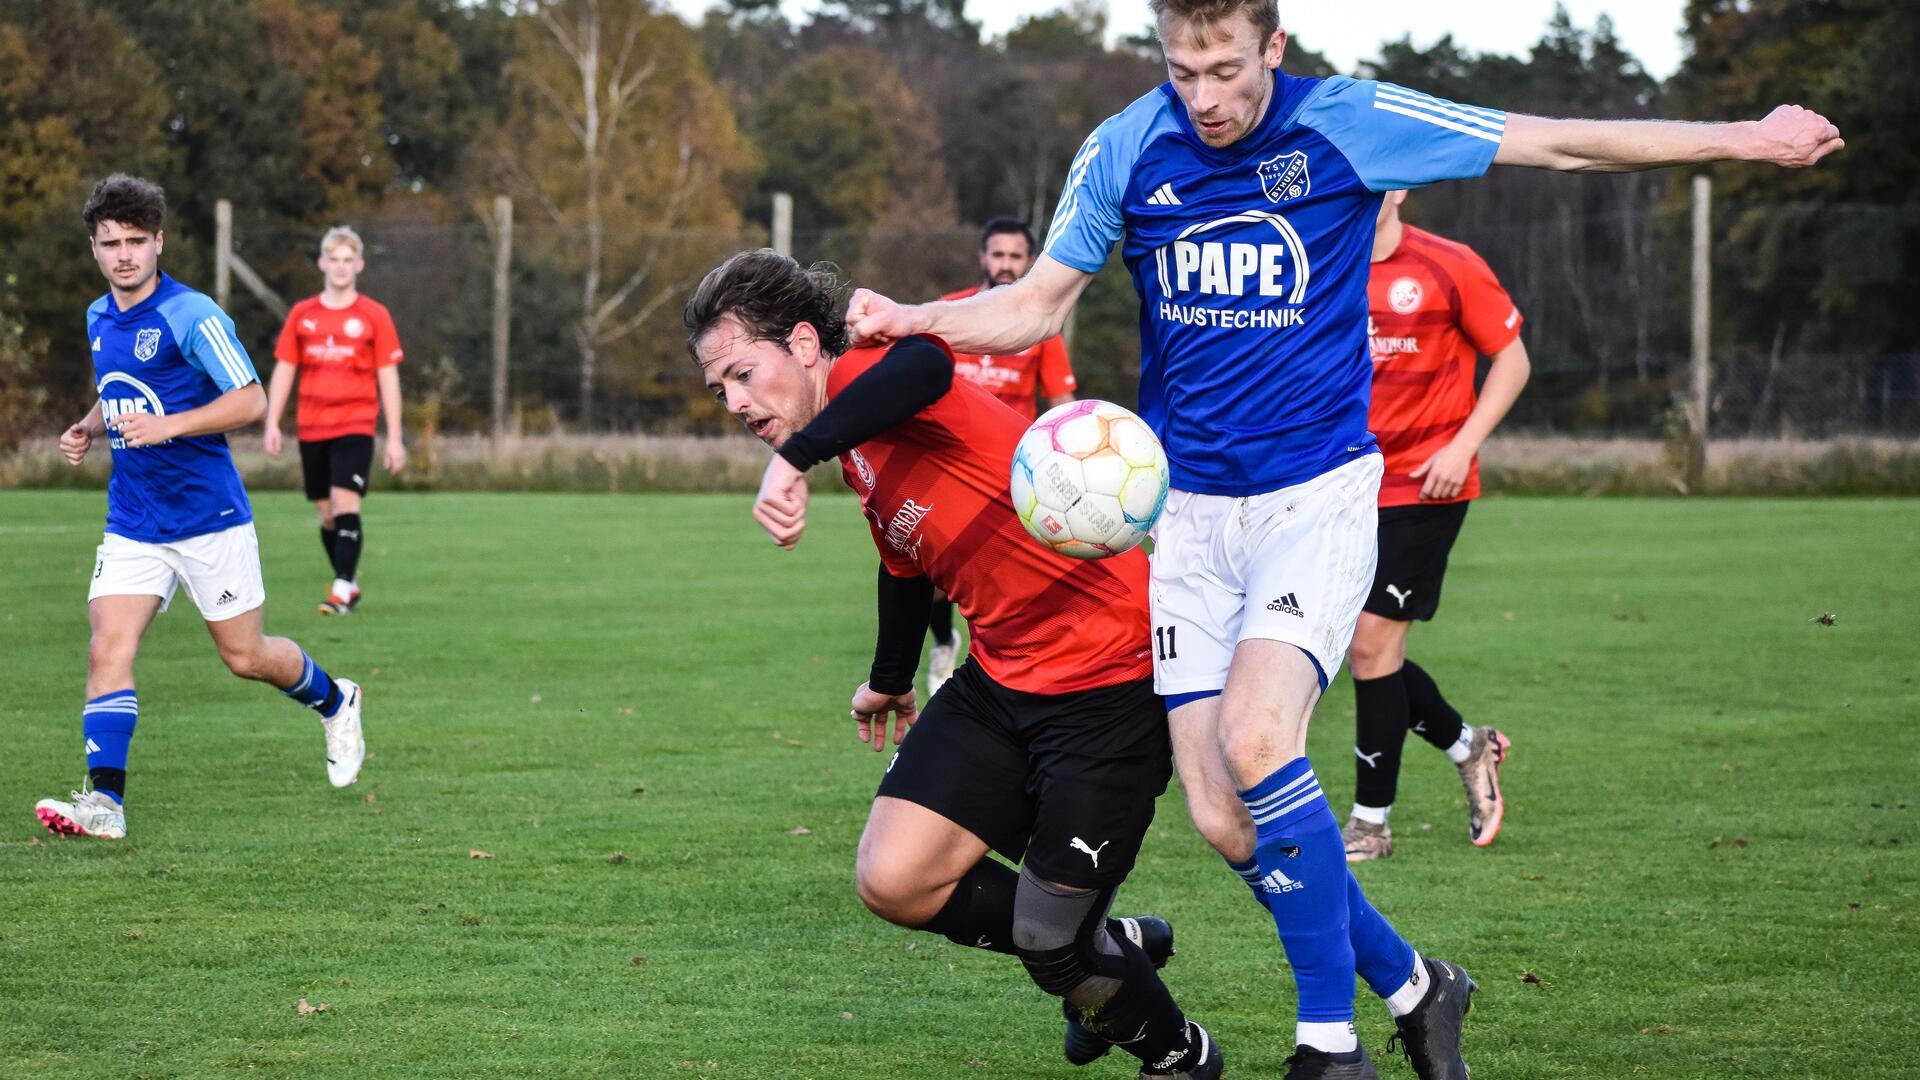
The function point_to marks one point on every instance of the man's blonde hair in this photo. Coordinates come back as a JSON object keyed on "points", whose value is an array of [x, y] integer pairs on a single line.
{"points": [[1203, 17], [342, 234]]}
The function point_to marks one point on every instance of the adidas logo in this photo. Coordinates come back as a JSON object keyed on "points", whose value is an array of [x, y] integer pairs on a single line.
{"points": [[1163, 196], [1277, 883], [1289, 605], [226, 597]]}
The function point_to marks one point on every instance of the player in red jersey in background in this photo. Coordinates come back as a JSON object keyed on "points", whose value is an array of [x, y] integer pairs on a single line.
{"points": [[1434, 309], [1049, 745], [1006, 254], [344, 349]]}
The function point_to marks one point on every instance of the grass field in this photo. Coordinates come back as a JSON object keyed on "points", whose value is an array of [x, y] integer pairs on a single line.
{"points": [[635, 704]]}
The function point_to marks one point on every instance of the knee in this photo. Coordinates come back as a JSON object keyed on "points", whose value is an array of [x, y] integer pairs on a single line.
{"points": [[246, 661], [110, 652], [1377, 649], [894, 892], [1223, 823]]}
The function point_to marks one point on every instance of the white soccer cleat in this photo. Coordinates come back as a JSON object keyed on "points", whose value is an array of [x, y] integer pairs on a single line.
{"points": [[346, 745], [940, 666], [91, 813]]}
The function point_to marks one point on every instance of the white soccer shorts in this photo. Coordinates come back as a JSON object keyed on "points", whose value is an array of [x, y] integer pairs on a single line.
{"points": [[1292, 565], [221, 571]]}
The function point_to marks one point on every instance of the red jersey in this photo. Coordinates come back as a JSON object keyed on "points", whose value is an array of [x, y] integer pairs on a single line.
{"points": [[934, 490], [338, 352], [1013, 379], [1434, 308]]}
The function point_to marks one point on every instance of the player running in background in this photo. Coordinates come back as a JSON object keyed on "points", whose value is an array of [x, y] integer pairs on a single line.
{"points": [[1245, 199], [343, 347], [1434, 307], [172, 380], [1006, 254], [1049, 745]]}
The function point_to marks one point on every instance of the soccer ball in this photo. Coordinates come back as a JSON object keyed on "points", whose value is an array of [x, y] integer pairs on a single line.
{"points": [[1089, 479]]}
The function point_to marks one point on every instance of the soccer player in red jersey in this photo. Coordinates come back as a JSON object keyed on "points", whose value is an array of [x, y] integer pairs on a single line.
{"points": [[1006, 254], [1049, 745], [344, 349], [1434, 309]]}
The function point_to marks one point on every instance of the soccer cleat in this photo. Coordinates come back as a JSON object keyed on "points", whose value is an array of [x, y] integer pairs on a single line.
{"points": [[1480, 774], [91, 813], [346, 745], [335, 604], [940, 666], [1154, 936], [1202, 1061], [1310, 1064], [1366, 841], [1430, 1035]]}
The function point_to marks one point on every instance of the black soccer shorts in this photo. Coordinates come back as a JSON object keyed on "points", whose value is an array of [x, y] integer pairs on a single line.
{"points": [[343, 462], [1064, 783], [1414, 544]]}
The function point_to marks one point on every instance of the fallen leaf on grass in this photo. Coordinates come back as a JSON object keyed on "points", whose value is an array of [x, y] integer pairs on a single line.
{"points": [[626, 711], [1739, 841], [800, 830], [638, 960], [305, 1009], [1825, 618], [535, 698], [639, 791], [136, 935], [617, 857], [476, 853], [1531, 979], [425, 910], [846, 1016], [1852, 905], [33, 842], [471, 920]]}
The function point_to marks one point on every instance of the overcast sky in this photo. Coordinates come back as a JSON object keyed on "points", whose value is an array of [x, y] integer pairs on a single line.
{"points": [[1352, 30]]}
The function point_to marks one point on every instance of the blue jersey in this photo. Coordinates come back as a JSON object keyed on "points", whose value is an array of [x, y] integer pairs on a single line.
{"points": [[1251, 262], [174, 351]]}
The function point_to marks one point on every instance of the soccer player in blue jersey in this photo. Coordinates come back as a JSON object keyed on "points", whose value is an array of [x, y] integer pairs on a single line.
{"points": [[172, 379], [1245, 201]]}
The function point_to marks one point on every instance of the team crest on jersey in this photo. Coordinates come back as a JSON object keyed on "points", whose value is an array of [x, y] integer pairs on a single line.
{"points": [[145, 344], [861, 467], [1284, 176], [355, 327], [1403, 295]]}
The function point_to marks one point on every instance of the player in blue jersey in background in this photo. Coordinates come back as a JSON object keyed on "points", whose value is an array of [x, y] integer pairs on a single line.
{"points": [[1246, 199], [172, 380]]}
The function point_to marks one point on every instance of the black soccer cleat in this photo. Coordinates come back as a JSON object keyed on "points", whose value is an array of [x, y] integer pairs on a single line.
{"points": [[1155, 938], [1310, 1064], [1429, 1036], [1202, 1061]]}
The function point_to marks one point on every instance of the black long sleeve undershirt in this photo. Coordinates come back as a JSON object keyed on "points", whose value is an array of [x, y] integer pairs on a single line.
{"points": [[904, 604], [913, 374]]}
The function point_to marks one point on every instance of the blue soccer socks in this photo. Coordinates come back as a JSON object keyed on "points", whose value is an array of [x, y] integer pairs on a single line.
{"points": [[316, 689], [1303, 876], [107, 723]]}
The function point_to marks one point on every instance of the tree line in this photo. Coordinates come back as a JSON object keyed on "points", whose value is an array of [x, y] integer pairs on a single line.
{"points": [[638, 148]]}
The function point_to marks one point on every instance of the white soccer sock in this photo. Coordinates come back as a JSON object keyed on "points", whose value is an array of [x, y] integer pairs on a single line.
{"points": [[1457, 753], [1373, 815], [343, 588], [1335, 1037], [1412, 992]]}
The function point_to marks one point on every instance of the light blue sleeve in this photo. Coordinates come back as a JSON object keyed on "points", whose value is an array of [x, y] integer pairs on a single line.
{"points": [[1398, 138], [1091, 216], [207, 340]]}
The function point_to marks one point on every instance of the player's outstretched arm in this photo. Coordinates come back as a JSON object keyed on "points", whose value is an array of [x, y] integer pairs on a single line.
{"points": [[1005, 320], [1790, 137], [78, 439], [231, 411]]}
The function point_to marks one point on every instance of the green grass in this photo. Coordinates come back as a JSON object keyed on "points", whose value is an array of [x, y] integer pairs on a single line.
{"points": [[1709, 865]]}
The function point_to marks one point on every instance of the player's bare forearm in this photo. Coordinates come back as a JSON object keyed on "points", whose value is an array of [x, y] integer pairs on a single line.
{"points": [[92, 423], [1790, 137], [231, 411], [390, 407], [1505, 379], [280, 391], [1005, 320]]}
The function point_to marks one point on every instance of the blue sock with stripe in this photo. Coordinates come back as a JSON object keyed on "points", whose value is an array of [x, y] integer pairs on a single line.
{"points": [[316, 689], [108, 722], [1380, 955], [1304, 879]]}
